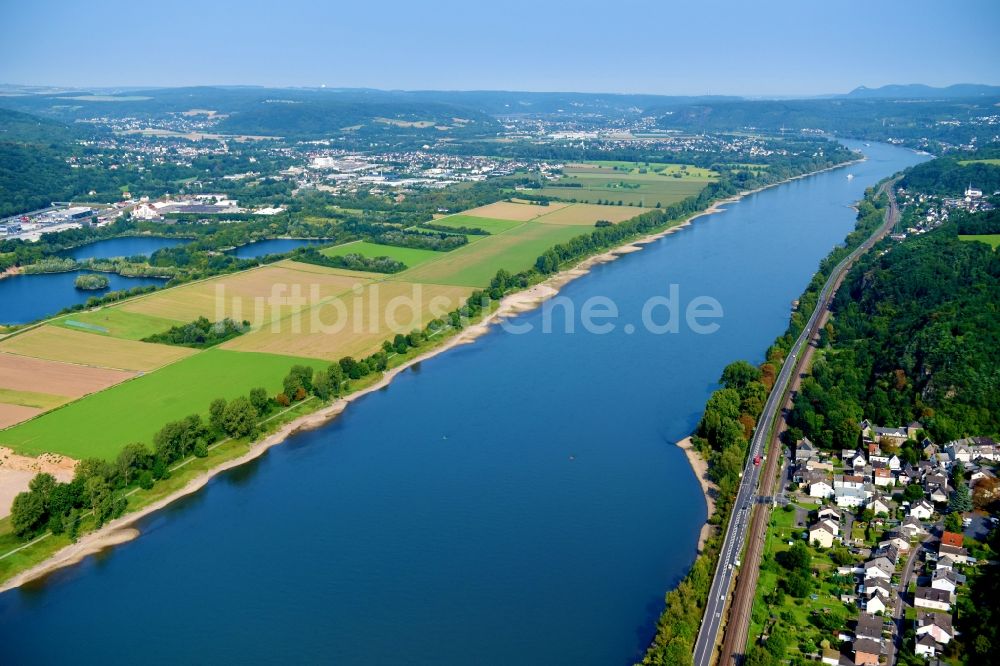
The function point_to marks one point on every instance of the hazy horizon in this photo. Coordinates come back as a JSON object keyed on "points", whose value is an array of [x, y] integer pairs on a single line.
{"points": [[787, 49]]}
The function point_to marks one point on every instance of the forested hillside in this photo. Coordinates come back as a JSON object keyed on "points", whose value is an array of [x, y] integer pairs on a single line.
{"points": [[916, 336], [33, 169], [919, 123], [950, 175]]}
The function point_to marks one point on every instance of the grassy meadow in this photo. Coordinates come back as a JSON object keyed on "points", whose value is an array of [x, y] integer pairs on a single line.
{"points": [[633, 184], [993, 240], [408, 255], [102, 423]]}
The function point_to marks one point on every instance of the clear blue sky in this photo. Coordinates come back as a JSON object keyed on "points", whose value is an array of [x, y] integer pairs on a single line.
{"points": [[751, 47]]}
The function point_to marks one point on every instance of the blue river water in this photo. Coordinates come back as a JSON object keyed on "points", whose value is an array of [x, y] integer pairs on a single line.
{"points": [[25, 298], [514, 501], [125, 246], [273, 246]]}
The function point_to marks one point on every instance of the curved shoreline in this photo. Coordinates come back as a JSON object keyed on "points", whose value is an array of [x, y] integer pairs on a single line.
{"points": [[122, 530]]}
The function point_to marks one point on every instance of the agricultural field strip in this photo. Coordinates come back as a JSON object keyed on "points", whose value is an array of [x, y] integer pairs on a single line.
{"points": [[24, 373], [55, 343], [11, 414], [250, 289]]}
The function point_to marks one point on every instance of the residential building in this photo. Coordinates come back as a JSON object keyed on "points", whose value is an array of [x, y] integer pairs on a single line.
{"points": [[928, 597], [882, 477], [822, 535], [922, 510], [880, 567], [937, 625], [869, 626], [926, 646], [821, 489], [952, 539], [958, 554], [828, 512], [867, 652], [877, 603], [944, 579], [805, 450]]}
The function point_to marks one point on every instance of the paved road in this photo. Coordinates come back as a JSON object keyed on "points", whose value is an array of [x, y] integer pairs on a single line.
{"points": [[895, 646], [739, 521]]}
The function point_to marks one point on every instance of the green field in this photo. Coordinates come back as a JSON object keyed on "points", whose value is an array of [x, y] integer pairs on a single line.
{"points": [[102, 423], [487, 224], [654, 168], [993, 240], [408, 255], [117, 323], [992, 161], [475, 264], [635, 183], [31, 399]]}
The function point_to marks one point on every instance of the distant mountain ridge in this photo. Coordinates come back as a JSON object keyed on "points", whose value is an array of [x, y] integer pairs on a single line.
{"points": [[921, 91]]}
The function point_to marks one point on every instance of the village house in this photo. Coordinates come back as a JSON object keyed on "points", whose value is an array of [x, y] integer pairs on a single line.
{"points": [[952, 539], [880, 567], [938, 495], [877, 603], [911, 528], [929, 448], [959, 451], [850, 497], [822, 534], [922, 510], [906, 475], [895, 436], [869, 627], [867, 652], [888, 551], [929, 597], [874, 585], [848, 481], [880, 505], [944, 579], [805, 450], [937, 625], [821, 489], [828, 512], [981, 474], [944, 563], [913, 429], [882, 476], [895, 540], [926, 646], [958, 554]]}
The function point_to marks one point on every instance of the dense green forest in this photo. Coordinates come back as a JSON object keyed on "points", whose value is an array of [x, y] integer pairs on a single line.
{"points": [[916, 336], [951, 174]]}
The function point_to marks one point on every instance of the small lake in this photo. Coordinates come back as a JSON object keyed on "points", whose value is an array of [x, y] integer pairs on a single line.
{"points": [[274, 246], [27, 298], [126, 246]]}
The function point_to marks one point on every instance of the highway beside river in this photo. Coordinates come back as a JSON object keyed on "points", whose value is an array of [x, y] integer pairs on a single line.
{"points": [[749, 522]]}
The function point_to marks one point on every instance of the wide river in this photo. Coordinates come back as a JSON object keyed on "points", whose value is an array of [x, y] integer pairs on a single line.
{"points": [[519, 500]]}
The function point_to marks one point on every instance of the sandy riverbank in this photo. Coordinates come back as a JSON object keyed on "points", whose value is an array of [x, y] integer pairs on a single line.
{"points": [[10, 272], [122, 529], [708, 487]]}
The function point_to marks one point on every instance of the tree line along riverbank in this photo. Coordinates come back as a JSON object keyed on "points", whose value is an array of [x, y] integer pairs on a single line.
{"points": [[722, 437]]}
